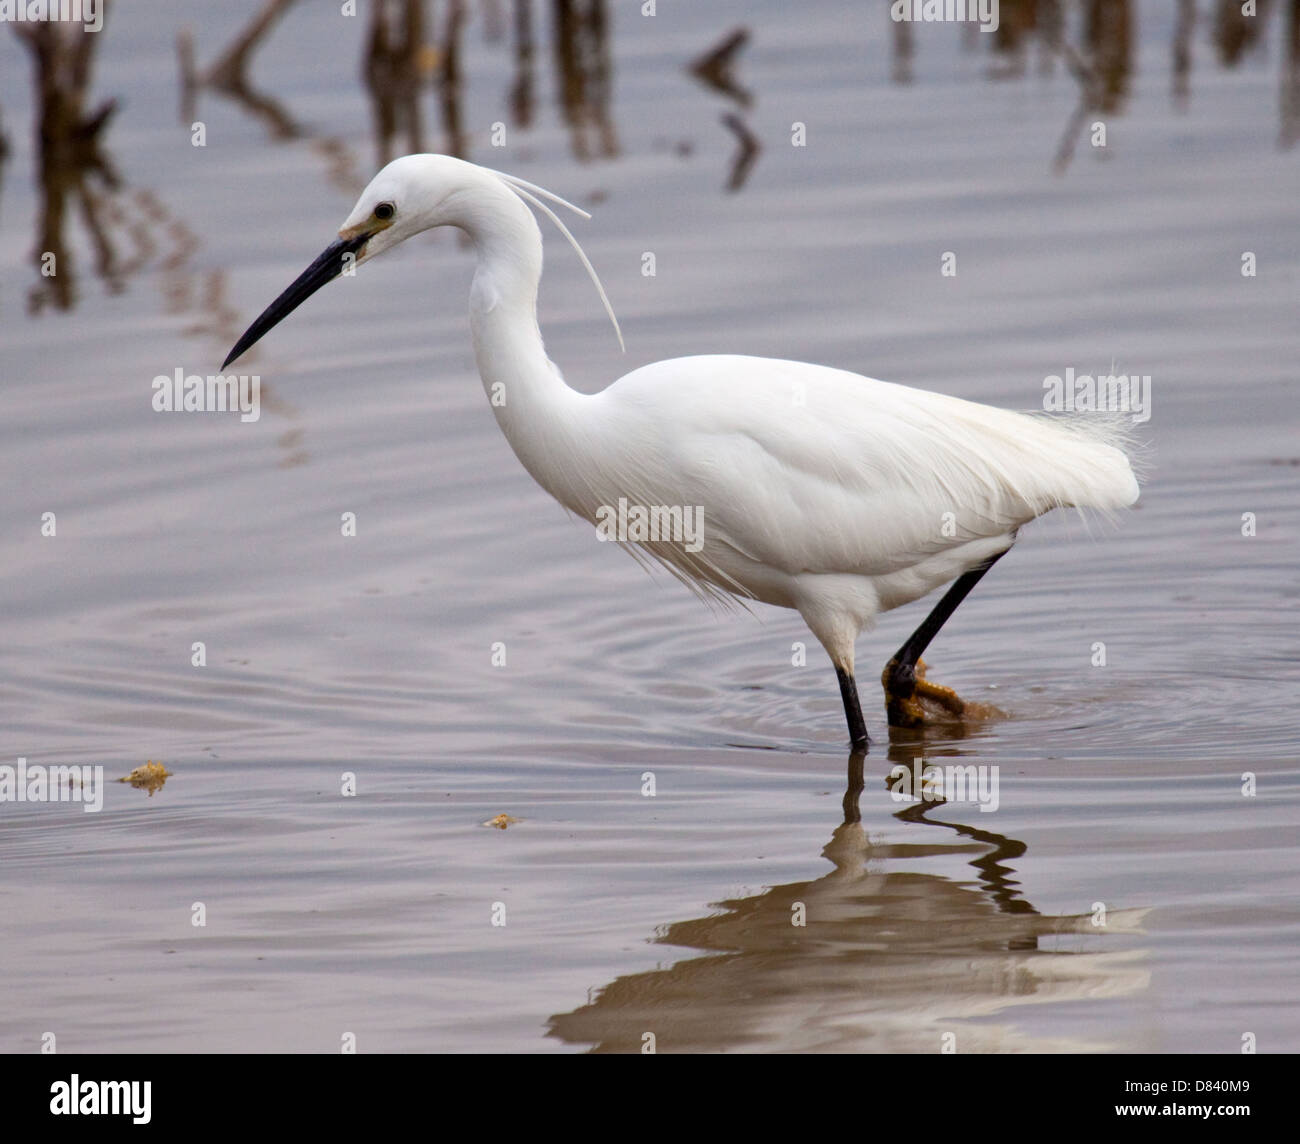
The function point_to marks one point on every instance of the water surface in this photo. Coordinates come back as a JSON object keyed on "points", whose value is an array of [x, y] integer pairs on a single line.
{"points": [[1120, 785]]}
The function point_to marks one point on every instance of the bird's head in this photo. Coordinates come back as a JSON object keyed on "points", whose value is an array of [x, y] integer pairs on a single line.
{"points": [[410, 195]]}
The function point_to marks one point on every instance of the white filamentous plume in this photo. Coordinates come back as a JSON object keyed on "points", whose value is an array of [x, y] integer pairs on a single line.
{"points": [[518, 186]]}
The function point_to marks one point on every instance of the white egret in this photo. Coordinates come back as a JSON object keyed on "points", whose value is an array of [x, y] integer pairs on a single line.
{"points": [[818, 489]]}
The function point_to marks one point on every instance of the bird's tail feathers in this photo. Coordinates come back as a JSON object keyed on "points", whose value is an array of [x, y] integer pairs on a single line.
{"points": [[1105, 457]]}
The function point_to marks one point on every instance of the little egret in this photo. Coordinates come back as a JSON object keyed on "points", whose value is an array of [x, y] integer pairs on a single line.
{"points": [[806, 487]]}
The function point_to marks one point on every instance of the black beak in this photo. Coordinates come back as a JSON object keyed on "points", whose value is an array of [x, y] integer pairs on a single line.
{"points": [[325, 269]]}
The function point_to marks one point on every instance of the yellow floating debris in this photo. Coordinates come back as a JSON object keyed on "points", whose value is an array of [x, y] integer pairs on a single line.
{"points": [[501, 821], [149, 777]]}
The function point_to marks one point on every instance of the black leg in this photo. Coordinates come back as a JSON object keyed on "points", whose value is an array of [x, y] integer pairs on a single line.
{"points": [[900, 675], [852, 709]]}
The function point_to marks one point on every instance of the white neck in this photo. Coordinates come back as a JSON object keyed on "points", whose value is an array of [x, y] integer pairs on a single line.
{"points": [[539, 414]]}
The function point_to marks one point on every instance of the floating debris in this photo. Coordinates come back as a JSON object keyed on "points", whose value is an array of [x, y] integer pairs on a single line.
{"points": [[149, 777], [501, 821]]}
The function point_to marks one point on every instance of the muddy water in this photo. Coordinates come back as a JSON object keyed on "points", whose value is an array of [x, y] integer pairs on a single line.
{"points": [[1126, 893]]}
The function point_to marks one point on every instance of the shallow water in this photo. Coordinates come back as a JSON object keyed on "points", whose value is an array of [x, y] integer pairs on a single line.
{"points": [[1120, 785]]}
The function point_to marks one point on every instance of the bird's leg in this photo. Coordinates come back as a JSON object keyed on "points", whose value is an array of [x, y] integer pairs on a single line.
{"points": [[852, 709], [904, 676]]}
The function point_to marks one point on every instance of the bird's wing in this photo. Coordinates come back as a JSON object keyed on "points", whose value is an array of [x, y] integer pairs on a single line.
{"points": [[810, 469]]}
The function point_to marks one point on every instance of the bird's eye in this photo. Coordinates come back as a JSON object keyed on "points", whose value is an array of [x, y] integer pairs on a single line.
{"points": [[385, 211]]}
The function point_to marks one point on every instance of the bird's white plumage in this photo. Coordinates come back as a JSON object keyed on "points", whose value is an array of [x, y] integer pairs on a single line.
{"points": [[810, 469], [834, 493], [821, 490]]}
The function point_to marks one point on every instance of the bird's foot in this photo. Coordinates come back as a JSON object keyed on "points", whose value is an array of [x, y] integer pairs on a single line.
{"points": [[905, 690]]}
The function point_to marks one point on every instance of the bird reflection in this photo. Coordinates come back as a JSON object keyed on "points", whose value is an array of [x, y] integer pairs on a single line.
{"points": [[994, 875], [891, 956]]}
